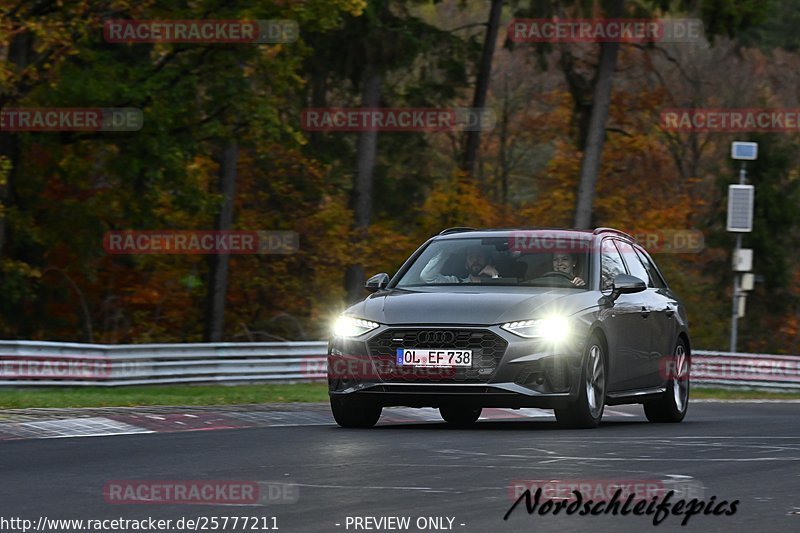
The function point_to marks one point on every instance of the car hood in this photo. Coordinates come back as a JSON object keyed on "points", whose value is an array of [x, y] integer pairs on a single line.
{"points": [[474, 307]]}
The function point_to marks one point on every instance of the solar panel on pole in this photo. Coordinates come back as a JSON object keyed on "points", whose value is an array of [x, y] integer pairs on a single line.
{"points": [[740, 208]]}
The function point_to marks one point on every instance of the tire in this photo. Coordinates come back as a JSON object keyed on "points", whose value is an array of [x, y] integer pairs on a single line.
{"points": [[350, 413], [460, 416], [586, 411], [672, 406]]}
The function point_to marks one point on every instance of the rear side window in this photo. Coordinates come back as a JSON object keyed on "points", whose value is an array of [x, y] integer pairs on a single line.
{"points": [[655, 277], [611, 264], [635, 266]]}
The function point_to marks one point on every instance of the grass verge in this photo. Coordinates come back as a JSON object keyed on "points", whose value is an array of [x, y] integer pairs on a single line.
{"points": [[21, 398], [237, 394], [726, 394]]}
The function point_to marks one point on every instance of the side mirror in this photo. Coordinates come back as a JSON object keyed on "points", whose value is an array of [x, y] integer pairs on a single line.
{"points": [[377, 282], [626, 284]]}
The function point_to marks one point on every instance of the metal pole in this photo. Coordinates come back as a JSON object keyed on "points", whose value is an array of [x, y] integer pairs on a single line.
{"points": [[735, 307]]}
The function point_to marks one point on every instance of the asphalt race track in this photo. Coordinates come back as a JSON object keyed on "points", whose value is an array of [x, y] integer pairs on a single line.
{"points": [[414, 468]]}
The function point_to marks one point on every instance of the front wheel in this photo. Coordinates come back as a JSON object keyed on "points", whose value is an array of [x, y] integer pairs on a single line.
{"points": [[460, 416], [673, 405], [350, 413], [587, 410]]}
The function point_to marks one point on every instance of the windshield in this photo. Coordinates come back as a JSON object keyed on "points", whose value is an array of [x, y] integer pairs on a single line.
{"points": [[536, 261]]}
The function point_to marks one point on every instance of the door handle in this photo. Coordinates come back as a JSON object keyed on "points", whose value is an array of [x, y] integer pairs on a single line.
{"points": [[669, 311], [645, 312]]}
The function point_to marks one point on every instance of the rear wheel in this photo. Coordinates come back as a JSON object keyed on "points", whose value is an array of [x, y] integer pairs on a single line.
{"points": [[350, 413], [587, 410], [460, 416], [673, 405]]}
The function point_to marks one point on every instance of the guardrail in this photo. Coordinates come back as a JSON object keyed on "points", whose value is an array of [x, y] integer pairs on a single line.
{"points": [[745, 370], [34, 363], [25, 363]]}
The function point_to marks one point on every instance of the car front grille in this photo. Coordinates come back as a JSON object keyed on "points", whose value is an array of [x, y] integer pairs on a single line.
{"points": [[487, 351]]}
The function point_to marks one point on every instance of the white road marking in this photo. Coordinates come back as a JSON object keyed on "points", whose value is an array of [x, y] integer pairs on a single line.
{"points": [[101, 426], [738, 437], [411, 414], [617, 413], [72, 427], [710, 400], [676, 459]]}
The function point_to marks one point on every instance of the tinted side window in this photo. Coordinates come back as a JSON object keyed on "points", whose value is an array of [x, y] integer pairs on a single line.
{"points": [[635, 266], [655, 278], [611, 264]]}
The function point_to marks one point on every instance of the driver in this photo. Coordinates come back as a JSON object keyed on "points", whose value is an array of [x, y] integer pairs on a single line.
{"points": [[566, 264], [478, 263]]}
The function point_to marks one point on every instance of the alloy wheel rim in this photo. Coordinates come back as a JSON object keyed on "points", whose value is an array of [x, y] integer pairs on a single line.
{"points": [[595, 380], [680, 383]]}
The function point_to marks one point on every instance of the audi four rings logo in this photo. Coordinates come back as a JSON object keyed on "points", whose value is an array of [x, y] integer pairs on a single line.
{"points": [[436, 337]]}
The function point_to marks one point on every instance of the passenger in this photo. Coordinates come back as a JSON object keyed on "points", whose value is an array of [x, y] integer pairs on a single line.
{"points": [[478, 263], [567, 264]]}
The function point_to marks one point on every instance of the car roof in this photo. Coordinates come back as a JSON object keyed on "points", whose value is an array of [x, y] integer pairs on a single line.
{"points": [[464, 232]]}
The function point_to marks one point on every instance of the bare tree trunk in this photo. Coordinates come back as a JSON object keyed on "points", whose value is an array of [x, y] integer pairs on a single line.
{"points": [[503, 155], [592, 154], [8, 152], [581, 90], [19, 51], [218, 272], [363, 182], [482, 84], [319, 93]]}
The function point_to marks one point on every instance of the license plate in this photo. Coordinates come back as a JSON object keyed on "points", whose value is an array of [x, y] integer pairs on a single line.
{"points": [[429, 357]]}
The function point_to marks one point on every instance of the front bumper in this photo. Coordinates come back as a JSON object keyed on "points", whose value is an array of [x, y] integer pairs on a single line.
{"points": [[508, 371]]}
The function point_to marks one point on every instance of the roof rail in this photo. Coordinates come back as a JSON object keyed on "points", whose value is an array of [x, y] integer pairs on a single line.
{"points": [[612, 230], [457, 229]]}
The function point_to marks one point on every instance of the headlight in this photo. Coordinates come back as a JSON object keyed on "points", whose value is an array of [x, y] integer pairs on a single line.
{"points": [[554, 328], [347, 326]]}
